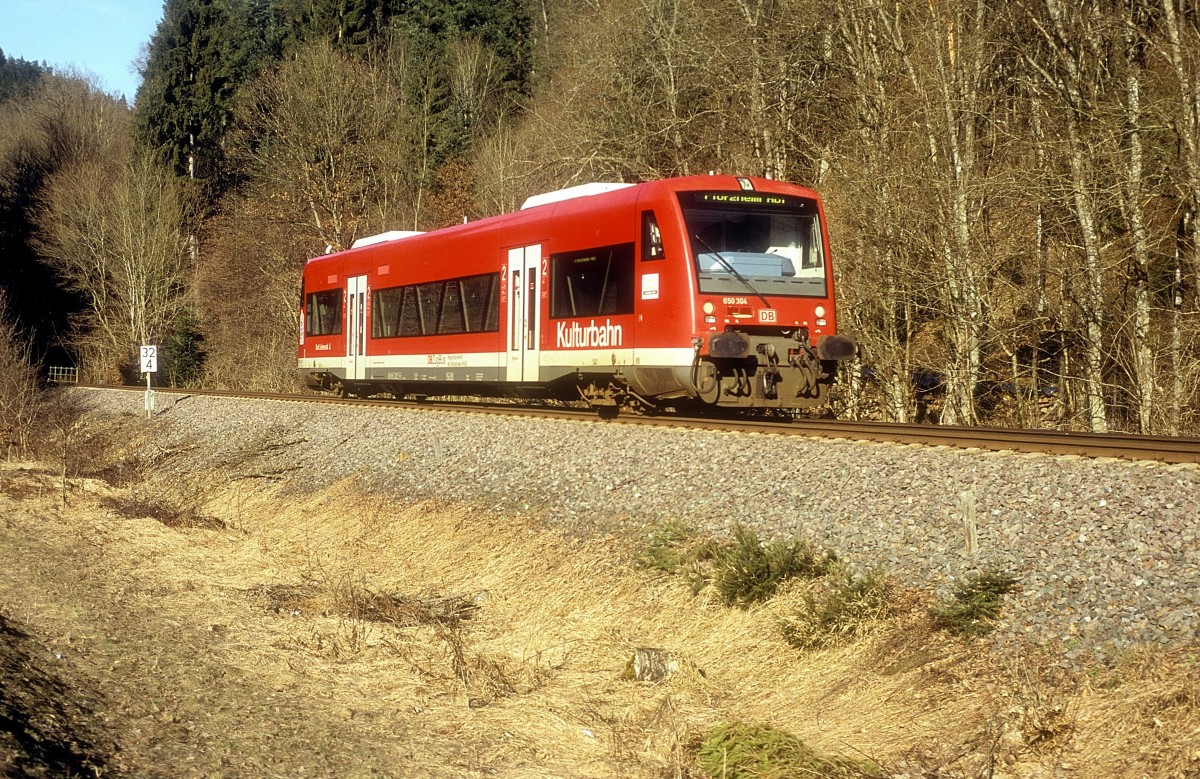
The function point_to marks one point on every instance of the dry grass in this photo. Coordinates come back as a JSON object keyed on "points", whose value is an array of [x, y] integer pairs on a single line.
{"points": [[328, 605]]}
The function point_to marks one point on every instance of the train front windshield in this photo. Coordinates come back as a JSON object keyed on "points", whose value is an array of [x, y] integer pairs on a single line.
{"points": [[772, 242]]}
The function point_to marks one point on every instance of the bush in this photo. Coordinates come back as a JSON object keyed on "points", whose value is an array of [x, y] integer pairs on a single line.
{"points": [[841, 610], [670, 548], [741, 571], [745, 571], [975, 603], [739, 751]]}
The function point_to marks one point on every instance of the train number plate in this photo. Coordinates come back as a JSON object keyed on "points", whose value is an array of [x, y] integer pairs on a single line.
{"points": [[767, 316]]}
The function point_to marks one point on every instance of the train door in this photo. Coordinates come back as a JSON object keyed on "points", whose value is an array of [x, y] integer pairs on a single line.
{"points": [[524, 272], [356, 326]]}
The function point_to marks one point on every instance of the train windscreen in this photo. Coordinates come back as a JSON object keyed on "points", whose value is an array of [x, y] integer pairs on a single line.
{"points": [[772, 242]]}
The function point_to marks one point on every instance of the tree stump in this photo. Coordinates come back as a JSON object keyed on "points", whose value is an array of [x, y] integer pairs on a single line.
{"points": [[652, 665]]}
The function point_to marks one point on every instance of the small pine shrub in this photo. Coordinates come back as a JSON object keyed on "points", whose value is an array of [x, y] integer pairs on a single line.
{"points": [[739, 751], [745, 571], [975, 603], [837, 613], [741, 570], [670, 547]]}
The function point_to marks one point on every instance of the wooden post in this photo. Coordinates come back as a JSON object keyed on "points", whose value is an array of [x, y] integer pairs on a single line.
{"points": [[968, 517]]}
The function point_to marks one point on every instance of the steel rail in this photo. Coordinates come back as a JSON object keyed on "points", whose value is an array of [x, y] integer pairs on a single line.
{"points": [[1166, 449]]}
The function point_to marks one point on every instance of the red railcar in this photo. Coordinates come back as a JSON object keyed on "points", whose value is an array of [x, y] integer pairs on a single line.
{"points": [[704, 290]]}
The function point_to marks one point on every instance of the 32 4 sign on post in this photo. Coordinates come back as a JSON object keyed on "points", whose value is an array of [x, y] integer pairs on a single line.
{"points": [[149, 360]]}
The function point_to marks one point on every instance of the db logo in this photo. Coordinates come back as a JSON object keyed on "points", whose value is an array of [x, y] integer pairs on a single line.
{"points": [[767, 315]]}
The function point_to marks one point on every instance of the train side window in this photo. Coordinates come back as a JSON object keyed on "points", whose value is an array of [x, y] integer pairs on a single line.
{"points": [[491, 317], [514, 326], [453, 319], [410, 315], [479, 303], [385, 312], [652, 248], [323, 314], [429, 297], [468, 305], [592, 282]]}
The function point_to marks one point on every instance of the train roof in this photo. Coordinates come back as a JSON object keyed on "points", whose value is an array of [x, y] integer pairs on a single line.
{"points": [[605, 193], [569, 193]]}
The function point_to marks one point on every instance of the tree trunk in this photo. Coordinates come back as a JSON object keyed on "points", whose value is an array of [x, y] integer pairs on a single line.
{"points": [[883, 279], [1073, 43], [1143, 359], [953, 98]]}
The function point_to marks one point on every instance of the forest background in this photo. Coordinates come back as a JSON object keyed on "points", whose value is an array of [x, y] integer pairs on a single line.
{"points": [[1013, 188]]}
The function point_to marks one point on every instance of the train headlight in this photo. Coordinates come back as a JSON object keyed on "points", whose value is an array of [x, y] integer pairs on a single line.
{"points": [[819, 311], [708, 307]]}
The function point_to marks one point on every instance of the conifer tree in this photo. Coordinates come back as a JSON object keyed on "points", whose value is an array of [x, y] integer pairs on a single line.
{"points": [[496, 33], [349, 25], [17, 76], [200, 53]]}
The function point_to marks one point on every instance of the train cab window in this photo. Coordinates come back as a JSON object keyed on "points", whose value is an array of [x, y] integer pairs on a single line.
{"points": [[772, 242], [323, 313], [652, 248], [592, 282]]}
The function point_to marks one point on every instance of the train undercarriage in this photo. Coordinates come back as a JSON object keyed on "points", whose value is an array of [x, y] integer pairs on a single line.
{"points": [[740, 371]]}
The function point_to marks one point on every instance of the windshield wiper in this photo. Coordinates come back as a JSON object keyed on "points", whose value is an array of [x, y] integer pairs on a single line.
{"points": [[732, 270]]}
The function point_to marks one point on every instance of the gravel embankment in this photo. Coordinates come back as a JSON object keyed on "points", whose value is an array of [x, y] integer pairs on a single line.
{"points": [[1106, 551]]}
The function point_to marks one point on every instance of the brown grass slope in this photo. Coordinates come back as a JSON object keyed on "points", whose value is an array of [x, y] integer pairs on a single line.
{"points": [[337, 634]]}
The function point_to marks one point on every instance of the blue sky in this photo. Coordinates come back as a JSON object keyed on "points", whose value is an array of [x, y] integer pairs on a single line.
{"points": [[98, 37]]}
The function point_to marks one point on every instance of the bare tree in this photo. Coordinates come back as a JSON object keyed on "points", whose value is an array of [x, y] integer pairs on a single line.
{"points": [[1130, 31], [313, 131], [952, 86], [115, 233], [249, 280], [18, 383], [475, 84], [1180, 47], [629, 99], [1071, 65], [879, 276], [499, 171]]}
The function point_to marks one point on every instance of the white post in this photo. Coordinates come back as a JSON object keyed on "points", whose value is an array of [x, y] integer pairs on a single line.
{"points": [[149, 364]]}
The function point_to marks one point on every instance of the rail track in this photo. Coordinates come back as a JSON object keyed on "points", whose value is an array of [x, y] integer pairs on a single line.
{"points": [[1166, 449]]}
